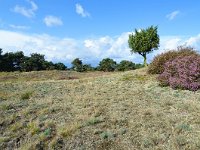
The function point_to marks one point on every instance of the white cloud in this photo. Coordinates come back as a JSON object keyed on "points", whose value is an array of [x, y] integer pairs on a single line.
{"points": [[81, 11], [51, 21], [27, 12], [90, 50], [99, 46], [194, 41], [19, 27], [53, 48], [170, 42], [172, 15]]}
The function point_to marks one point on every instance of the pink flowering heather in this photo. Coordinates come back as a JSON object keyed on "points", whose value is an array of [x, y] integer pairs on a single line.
{"points": [[182, 73]]}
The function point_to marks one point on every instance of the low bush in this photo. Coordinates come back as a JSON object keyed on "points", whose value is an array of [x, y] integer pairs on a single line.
{"points": [[125, 65], [26, 95], [157, 65], [182, 73]]}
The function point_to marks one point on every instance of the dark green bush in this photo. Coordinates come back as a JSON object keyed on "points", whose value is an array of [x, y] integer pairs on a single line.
{"points": [[107, 65], [26, 95], [125, 65], [157, 65]]}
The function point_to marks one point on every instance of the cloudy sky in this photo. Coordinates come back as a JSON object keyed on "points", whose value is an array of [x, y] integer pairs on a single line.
{"points": [[94, 29]]}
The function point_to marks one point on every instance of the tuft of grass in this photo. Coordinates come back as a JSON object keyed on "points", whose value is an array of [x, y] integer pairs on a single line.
{"points": [[93, 121], [26, 95], [46, 134], [147, 143], [184, 127], [5, 106], [68, 130], [181, 141], [127, 77], [135, 77], [16, 127], [56, 143], [4, 139], [107, 135], [33, 128]]}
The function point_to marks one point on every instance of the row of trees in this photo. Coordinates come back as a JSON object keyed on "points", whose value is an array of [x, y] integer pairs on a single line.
{"points": [[19, 62], [106, 64], [16, 61]]}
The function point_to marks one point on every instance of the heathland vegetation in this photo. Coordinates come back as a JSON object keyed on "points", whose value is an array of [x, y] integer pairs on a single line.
{"points": [[154, 107]]}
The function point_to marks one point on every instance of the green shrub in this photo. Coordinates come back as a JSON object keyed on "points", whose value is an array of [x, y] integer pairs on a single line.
{"points": [[107, 65], [125, 65], [26, 95], [157, 65]]}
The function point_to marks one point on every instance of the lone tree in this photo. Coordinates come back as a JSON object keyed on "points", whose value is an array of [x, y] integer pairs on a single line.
{"points": [[77, 65], [144, 41]]}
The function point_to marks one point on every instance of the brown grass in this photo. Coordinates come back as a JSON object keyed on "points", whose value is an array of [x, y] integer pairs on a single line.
{"points": [[116, 111]]}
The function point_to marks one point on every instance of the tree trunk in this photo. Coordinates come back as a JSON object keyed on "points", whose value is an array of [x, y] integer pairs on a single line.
{"points": [[145, 60]]}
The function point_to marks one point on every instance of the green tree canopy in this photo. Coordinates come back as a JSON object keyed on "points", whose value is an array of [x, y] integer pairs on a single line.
{"points": [[125, 65], [107, 64], [144, 41], [60, 66], [77, 65], [10, 61], [34, 63]]}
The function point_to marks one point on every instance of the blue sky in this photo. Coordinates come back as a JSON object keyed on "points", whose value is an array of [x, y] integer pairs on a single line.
{"points": [[94, 29]]}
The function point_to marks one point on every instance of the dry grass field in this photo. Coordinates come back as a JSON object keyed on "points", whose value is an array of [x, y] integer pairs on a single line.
{"points": [[96, 111]]}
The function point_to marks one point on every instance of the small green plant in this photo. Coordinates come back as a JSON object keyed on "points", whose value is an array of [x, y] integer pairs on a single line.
{"points": [[93, 121], [26, 95], [107, 135], [147, 143], [184, 127], [47, 132]]}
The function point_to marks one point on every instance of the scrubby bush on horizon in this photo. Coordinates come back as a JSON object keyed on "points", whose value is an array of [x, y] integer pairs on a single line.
{"points": [[107, 64], [88, 67], [16, 61], [126, 65], [138, 66], [59, 66], [144, 41], [10, 61], [182, 73], [157, 65], [77, 65]]}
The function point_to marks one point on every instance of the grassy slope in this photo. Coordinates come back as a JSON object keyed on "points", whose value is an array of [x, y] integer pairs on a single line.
{"points": [[117, 111]]}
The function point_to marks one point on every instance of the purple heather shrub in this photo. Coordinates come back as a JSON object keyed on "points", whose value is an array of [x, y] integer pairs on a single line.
{"points": [[182, 73], [157, 65]]}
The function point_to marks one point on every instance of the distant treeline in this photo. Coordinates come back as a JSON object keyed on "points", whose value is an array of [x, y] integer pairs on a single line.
{"points": [[16, 61]]}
